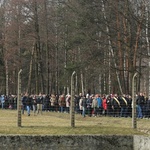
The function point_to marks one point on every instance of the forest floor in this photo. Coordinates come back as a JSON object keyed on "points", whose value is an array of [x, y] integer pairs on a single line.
{"points": [[54, 123]]}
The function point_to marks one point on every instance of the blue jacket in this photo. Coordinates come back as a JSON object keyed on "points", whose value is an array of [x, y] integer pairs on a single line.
{"points": [[2, 99], [99, 100]]}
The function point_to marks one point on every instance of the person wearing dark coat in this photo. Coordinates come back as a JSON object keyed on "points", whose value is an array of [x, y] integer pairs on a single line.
{"points": [[28, 104], [39, 103], [83, 106], [34, 104], [148, 109], [124, 105], [24, 99], [89, 106], [109, 106], [77, 100], [129, 112], [116, 105], [140, 102]]}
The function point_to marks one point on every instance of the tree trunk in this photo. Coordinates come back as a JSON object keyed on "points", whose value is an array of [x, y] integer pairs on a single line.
{"points": [[36, 72], [148, 47], [137, 37], [56, 58], [30, 69], [110, 47], [81, 72], [120, 55], [7, 78], [39, 76], [82, 82], [47, 50], [139, 79]]}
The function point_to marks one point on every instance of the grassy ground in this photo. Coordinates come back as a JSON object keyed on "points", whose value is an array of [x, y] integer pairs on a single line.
{"points": [[52, 123]]}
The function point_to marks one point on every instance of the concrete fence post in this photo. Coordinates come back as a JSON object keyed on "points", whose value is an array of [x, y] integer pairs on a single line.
{"points": [[19, 99], [134, 121], [72, 111]]}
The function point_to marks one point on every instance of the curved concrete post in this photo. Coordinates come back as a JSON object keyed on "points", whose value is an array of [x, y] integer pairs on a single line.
{"points": [[19, 99], [134, 122]]}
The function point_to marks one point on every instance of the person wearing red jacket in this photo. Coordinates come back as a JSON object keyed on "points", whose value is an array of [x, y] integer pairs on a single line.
{"points": [[104, 104]]}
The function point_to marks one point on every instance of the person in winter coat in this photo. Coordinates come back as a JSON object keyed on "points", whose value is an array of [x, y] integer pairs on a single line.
{"points": [[83, 106], [109, 106], [53, 102], [94, 106], [47, 102], [99, 104], [24, 99], [129, 112], [116, 105], [28, 104], [34, 104], [39, 103], [68, 100], [104, 104], [148, 109], [2, 99], [124, 105], [80, 105], [62, 103], [140, 102], [77, 99], [89, 106]]}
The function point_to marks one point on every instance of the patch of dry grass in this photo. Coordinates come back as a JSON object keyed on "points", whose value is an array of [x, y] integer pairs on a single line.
{"points": [[52, 123]]}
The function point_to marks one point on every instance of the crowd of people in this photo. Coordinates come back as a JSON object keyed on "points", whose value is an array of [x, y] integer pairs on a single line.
{"points": [[90, 105]]}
